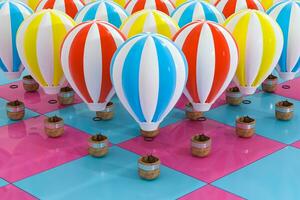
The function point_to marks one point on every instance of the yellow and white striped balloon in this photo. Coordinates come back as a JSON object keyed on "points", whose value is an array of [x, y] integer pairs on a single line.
{"points": [[260, 43], [149, 21], [31, 3], [39, 39]]}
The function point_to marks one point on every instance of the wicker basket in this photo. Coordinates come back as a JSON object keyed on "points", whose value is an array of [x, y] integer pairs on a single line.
{"points": [[54, 126], [200, 148], [98, 148], [191, 114], [284, 110], [270, 84], [29, 84], [245, 128], [148, 171], [234, 96], [66, 96], [108, 113], [15, 110]]}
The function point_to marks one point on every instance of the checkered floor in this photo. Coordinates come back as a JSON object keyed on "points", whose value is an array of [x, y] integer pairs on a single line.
{"points": [[33, 166]]}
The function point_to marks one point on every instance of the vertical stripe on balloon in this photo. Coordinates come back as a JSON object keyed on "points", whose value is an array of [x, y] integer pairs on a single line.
{"points": [[167, 78], [32, 63], [77, 62], [130, 78], [15, 23], [222, 62], [284, 25], [189, 48]]}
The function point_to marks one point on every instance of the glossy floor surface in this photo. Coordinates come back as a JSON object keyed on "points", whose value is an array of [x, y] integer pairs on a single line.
{"points": [[33, 166]]}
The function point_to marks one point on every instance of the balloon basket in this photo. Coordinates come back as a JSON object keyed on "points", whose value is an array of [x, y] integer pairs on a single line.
{"points": [[98, 145], [54, 126], [233, 96], [108, 113], [245, 127], [149, 135], [29, 84], [15, 110], [66, 96], [270, 84], [284, 110], [192, 114], [200, 145], [149, 167]]}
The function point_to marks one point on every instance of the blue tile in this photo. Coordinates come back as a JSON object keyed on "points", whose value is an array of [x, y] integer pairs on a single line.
{"points": [[274, 177], [262, 109], [121, 128], [4, 80], [112, 177], [3, 182], [3, 117]]}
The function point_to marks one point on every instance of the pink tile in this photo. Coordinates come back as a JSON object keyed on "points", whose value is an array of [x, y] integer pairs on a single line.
{"points": [[229, 152], [296, 144], [11, 192], [209, 192], [293, 92], [36, 101], [26, 150]]}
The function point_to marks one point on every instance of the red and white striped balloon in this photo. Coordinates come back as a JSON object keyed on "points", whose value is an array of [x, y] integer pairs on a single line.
{"points": [[165, 6], [212, 57], [86, 54], [229, 7], [70, 7]]}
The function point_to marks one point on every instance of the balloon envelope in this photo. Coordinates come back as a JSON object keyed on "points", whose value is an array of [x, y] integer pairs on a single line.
{"points": [[38, 42], [85, 56], [212, 57], [287, 15], [12, 14], [102, 10], [70, 7], [165, 6], [260, 43], [229, 7], [149, 86], [196, 10], [152, 21]]}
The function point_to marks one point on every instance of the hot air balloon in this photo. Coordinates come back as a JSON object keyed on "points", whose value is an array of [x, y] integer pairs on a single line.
{"points": [[31, 3], [287, 15], [269, 3], [149, 86], [85, 56], [12, 14], [165, 6], [212, 57], [229, 7], [102, 10], [260, 43], [121, 3], [70, 7], [196, 10], [38, 42], [149, 21], [180, 2]]}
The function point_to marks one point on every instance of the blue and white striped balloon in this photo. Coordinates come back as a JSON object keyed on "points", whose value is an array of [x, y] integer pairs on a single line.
{"points": [[196, 10], [149, 74], [102, 10], [287, 15], [12, 14]]}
